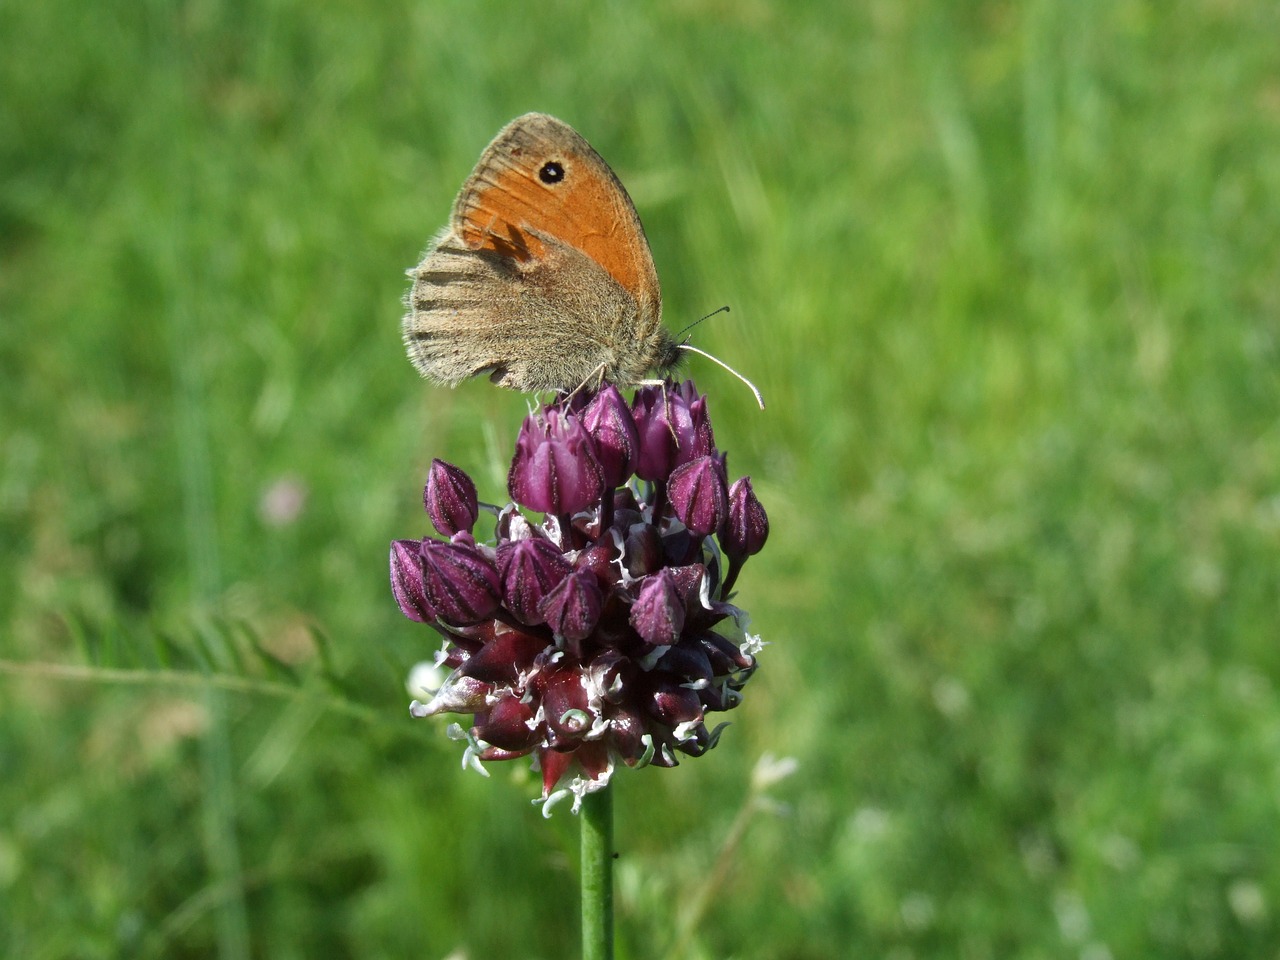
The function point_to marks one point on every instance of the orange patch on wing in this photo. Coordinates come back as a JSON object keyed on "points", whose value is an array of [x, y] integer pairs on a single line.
{"points": [[584, 212]]}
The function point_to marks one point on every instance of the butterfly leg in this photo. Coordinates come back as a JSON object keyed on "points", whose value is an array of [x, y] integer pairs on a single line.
{"points": [[597, 375]]}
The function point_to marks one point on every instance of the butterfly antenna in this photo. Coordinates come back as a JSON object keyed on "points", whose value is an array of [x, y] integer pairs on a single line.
{"points": [[724, 309], [721, 363]]}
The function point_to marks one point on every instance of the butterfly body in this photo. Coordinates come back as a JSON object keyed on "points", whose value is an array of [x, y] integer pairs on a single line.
{"points": [[543, 277]]}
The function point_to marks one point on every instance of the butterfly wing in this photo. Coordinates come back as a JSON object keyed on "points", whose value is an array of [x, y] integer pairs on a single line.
{"points": [[544, 277], [550, 323], [540, 174]]}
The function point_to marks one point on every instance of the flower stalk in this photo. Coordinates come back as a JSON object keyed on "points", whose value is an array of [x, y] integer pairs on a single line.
{"points": [[597, 875]]}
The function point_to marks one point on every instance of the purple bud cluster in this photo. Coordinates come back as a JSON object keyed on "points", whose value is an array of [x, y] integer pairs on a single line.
{"points": [[602, 632]]}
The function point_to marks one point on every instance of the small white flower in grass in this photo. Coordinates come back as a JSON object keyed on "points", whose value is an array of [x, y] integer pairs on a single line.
{"points": [[770, 770]]}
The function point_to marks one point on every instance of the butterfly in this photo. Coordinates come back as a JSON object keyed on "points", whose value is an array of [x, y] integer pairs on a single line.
{"points": [[543, 278]]}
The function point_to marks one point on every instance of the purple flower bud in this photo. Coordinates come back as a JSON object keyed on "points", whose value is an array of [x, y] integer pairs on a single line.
{"points": [[406, 580], [658, 613], [674, 704], [507, 724], [687, 660], [450, 498], [642, 549], [699, 494], [673, 428], [609, 422], [610, 674], [573, 608], [593, 757], [656, 436], [568, 710], [460, 585], [555, 764], [627, 729], [688, 581], [555, 469], [747, 526], [725, 656], [529, 570], [694, 436], [505, 657], [598, 559]]}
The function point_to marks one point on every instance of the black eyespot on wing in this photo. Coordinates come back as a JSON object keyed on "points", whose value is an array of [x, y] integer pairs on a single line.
{"points": [[551, 172]]}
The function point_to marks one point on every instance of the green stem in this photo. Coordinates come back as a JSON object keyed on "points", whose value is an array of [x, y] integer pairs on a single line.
{"points": [[597, 875]]}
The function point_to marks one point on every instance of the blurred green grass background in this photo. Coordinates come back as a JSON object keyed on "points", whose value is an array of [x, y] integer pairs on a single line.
{"points": [[1007, 275]]}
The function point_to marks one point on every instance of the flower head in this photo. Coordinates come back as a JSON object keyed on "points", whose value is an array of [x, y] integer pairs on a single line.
{"points": [[602, 632]]}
